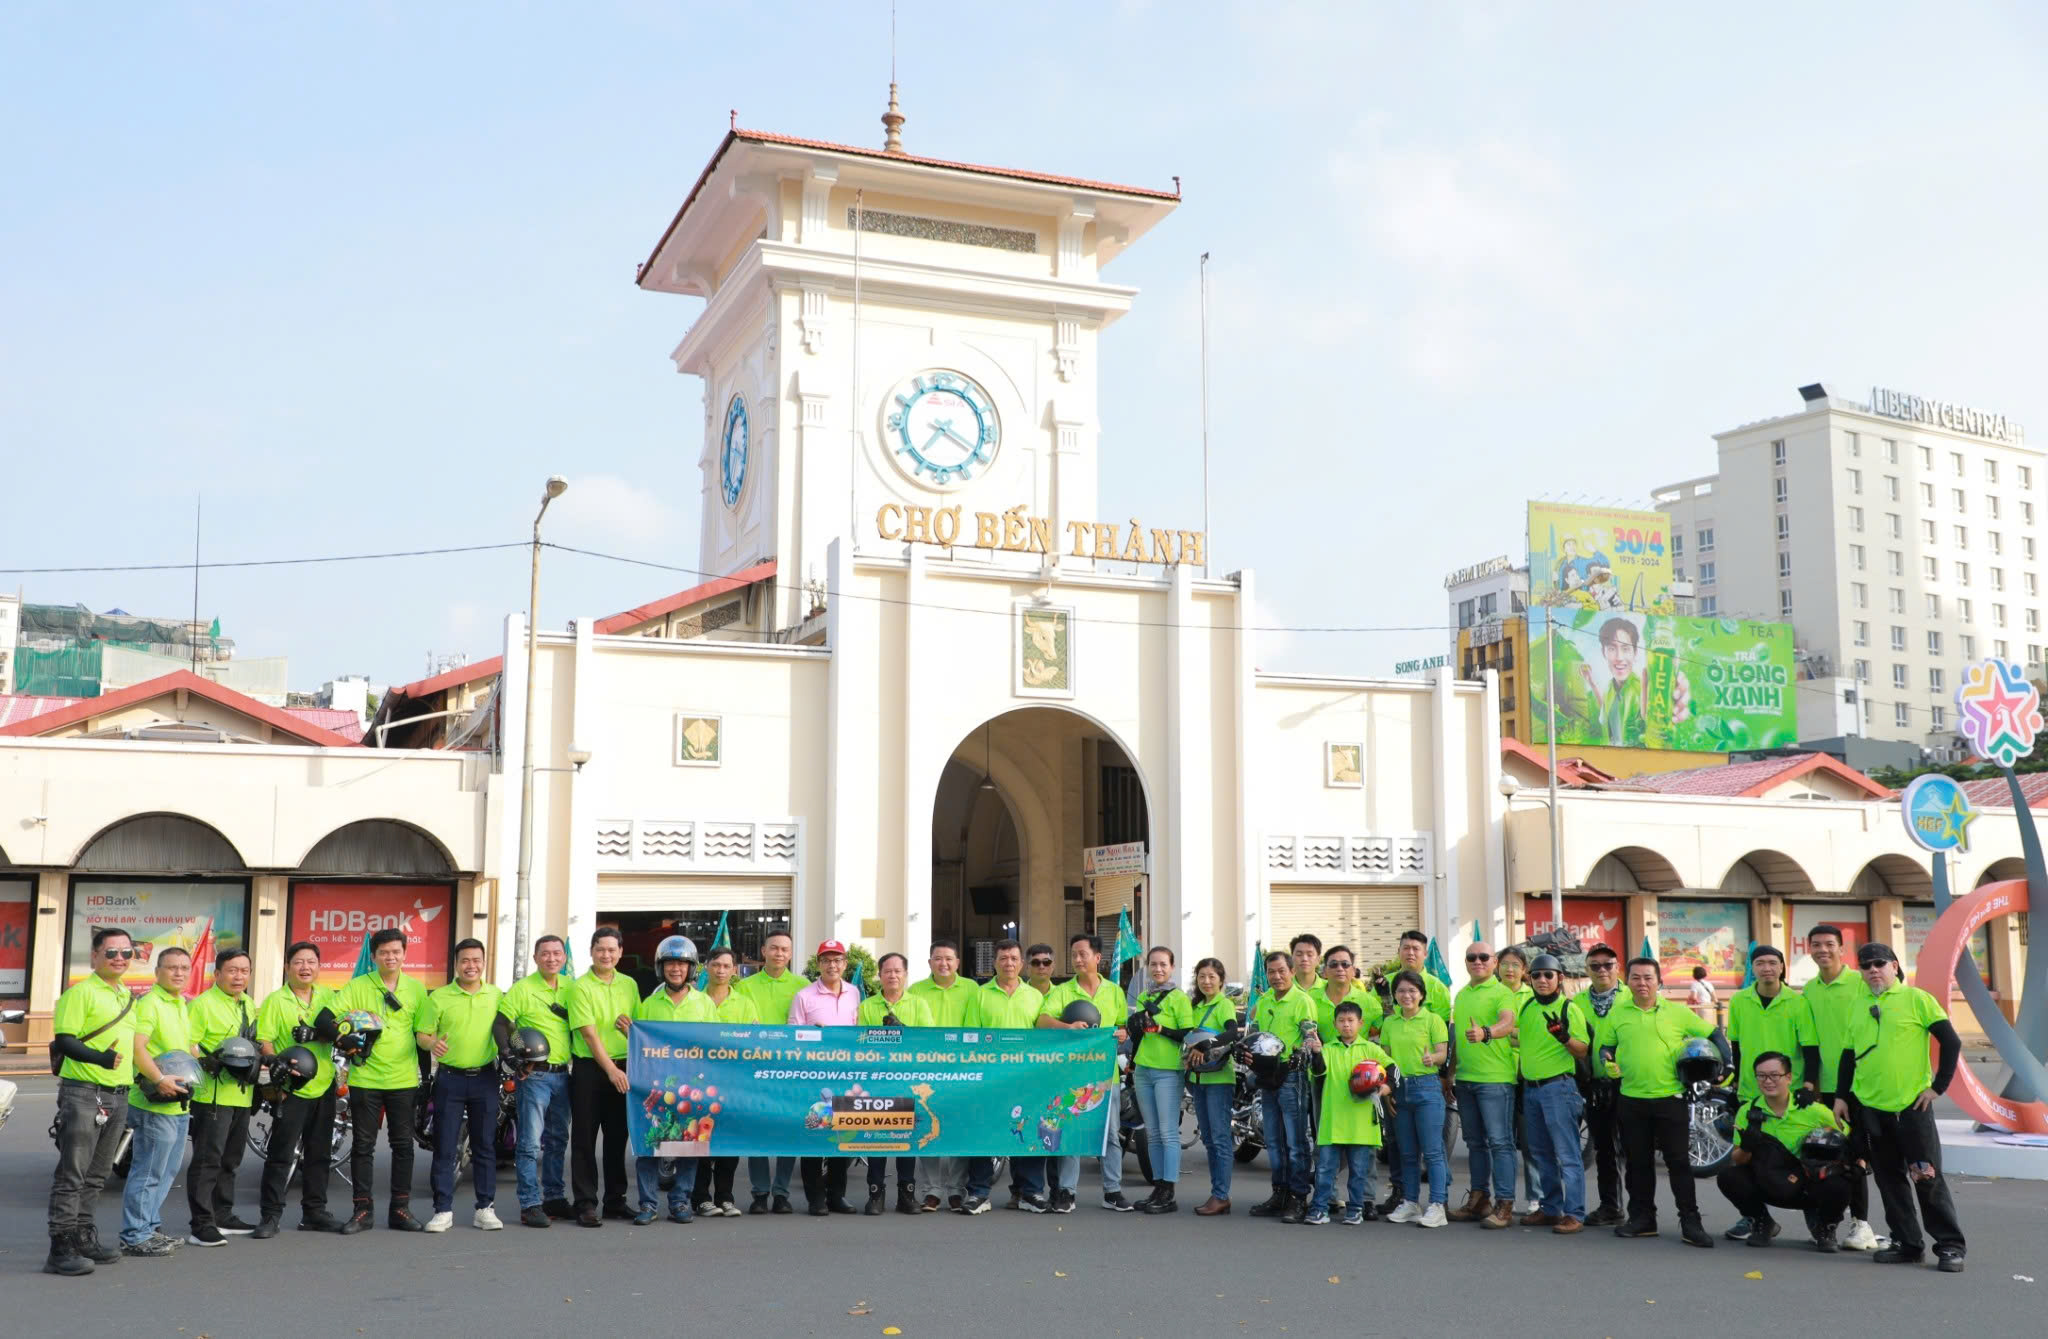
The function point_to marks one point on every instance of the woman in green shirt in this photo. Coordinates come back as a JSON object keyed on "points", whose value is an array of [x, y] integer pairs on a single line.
{"points": [[1211, 1009], [1419, 1040], [1162, 1016], [733, 1006]]}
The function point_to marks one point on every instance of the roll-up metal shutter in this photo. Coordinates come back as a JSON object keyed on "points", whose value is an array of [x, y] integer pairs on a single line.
{"points": [[692, 894], [1368, 920]]}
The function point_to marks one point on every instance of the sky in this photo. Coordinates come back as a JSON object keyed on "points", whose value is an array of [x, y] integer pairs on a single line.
{"points": [[360, 276]]}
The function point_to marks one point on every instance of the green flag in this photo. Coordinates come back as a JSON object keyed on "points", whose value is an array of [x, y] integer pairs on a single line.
{"points": [[1749, 970], [365, 963], [214, 631], [1127, 947], [1648, 952], [1255, 982], [723, 939], [1434, 964]]}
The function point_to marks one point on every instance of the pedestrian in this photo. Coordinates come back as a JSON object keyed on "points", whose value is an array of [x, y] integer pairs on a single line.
{"points": [[1289, 1015], [770, 990], [1005, 1002], [221, 1017], [1157, 1076], [830, 1001], [893, 1006], [1111, 1011], [1640, 1041], [1702, 994], [159, 1113], [947, 994], [602, 1003], [1602, 1094], [1839, 1001], [1767, 1167], [456, 1027], [1419, 1041], [674, 999], [1769, 1016], [1483, 1058], [540, 1000], [1552, 1038], [384, 1090], [301, 1012], [1888, 1072], [734, 1007], [93, 1033], [1213, 1088]]}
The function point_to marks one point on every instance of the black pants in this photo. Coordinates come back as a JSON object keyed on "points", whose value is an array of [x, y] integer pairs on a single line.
{"points": [[303, 1132], [85, 1151], [1897, 1138], [878, 1174], [1603, 1127], [824, 1179], [714, 1180], [1773, 1178], [1859, 1188], [595, 1107], [367, 1109], [1651, 1126], [220, 1135]]}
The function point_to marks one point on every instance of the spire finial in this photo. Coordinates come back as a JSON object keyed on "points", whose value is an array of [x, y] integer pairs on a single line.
{"points": [[892, 125]]}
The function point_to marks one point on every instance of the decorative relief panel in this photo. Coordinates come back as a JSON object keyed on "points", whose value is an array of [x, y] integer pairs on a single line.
{"points": [[1346, 858], [946, 230], [706, 846]]}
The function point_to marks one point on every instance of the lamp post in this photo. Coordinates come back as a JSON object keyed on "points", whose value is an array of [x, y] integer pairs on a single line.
{"points": [[1509, 788], [522, 902]]}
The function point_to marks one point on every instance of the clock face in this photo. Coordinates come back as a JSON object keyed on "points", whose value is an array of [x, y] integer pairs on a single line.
{"points": [[941, 428], [732, 452]]}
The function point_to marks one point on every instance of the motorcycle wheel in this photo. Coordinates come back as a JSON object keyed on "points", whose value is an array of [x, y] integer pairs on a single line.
{"points": [[1190, 1128], [125, 1158], [1710, 1123]]}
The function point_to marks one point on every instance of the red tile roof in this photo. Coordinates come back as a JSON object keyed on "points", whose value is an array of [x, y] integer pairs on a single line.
{"points": [[22, 706], [1570, 771], [1993, 793], [682, 599], [1748, 779], [461, 674], [337, 719], [163, 685]]}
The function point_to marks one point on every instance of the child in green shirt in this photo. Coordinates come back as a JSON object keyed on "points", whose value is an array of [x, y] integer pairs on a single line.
{"points": [[1349, 1132]]}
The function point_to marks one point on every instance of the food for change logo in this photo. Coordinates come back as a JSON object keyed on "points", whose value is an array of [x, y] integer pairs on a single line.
{"points": [[1998, 711]]}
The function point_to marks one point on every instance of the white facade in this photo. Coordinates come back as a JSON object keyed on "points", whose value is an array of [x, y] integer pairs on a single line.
{"points": [[1485, 593], [1899, 548]]}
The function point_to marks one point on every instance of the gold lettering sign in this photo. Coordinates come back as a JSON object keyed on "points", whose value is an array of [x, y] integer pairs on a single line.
{"points": [[1016, 531]]}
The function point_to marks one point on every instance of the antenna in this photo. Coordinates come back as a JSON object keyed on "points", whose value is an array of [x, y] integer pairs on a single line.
{"points": [[198, 510], [1208, 540]]}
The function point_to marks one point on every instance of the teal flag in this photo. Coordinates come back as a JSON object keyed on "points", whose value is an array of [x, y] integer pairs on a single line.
{"points": [[1434, 964], [365, 964], [854, 980], [700, 1090], [1255, 986], [723, 939], [1749, 968], [1647, 952], [1126, 948]]}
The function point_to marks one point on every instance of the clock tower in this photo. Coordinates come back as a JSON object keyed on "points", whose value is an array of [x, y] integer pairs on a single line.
{"points": [[881, 328]]}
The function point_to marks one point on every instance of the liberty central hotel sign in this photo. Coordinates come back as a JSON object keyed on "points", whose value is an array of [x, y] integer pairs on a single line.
{"points": [[1942, 414]]}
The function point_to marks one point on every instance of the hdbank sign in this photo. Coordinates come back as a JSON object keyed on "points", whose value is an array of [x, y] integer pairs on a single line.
{"points": [[337, 917]]}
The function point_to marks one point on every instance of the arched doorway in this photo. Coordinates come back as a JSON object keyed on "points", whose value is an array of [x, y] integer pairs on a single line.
{"points": [[1019, 800]]}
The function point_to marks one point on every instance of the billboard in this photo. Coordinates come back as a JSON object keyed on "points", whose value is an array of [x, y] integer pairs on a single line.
{"points": [[16, 906], [1651, 681], [1713, 935], [1851, 918], [1591, 920], [337, 916], [1599, 558], [202, 918]]}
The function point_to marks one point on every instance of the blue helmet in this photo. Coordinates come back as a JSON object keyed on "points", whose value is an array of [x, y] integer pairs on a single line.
{"points": [[1699, 1061]]}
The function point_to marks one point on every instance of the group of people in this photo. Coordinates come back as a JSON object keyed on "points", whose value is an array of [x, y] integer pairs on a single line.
{"points": [[1832, 1079]]}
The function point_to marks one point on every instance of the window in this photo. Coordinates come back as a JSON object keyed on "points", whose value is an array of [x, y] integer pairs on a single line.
{"points": [[1938, 717], [1778, 452], [1489, 606], [1898, 638], [1995, 541], [1967, 646], [1893, 525], [1963, 612], [1464, 613], [1677, 542], [1991, 506], [1778, 489], [2027, 547], [1706, 574], [1785, 567], [1934, 606], [1891, 487], [1926, 495], [1955, 497], [1930, 567], [1962, 571], [1855, 444], [1927, 532], [2001, 650], [1678, 574], [1998, 578], [1898, 676], [1935, 680], [1895, 600], [1859, 594], [1934, 641], [2029, 583], [1784, 604], [1891, 452], [1704, 539], [1990, 471], [1709, 606], [1861, 632], [1862, 671], [1926, 457], [2027, 518], [1900, 717], [1895, 562], [1855, 481], [1997, 615], [1856, 519], [1856, 556], [2033, 620], [1962, 536], [2026, 476], [2033, 653], [1955, 463], [1784, 527]]}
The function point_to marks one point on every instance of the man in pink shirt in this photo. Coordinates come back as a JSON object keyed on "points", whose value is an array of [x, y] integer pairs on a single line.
{"points": [[827, 1002]]}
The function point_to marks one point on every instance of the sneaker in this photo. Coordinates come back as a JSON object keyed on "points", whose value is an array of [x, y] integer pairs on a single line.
{"points": [[708, 1209], [680, 1213], [1635, 1228], [953, 1202], [728, 1209], [1607, 1215], [266, 1229], [1527, 1207], [1433, 1216], [1762, 1232], [1407, 1211], [1116, 1203], [207, 1235], [931, 1203], [158, 1245], [1859, 1237], [232, 1226], [781, 1205], [171, 1242], [1354, 1216], [534, 1216], [974, 1204], [486, 1219], [619, 1213], [1271, 1208], [1694, 1233], [441, 1221], [647, 1214], [401, 1220], [1824, 1240], [558, 1209], [1949, 1262], [1031, 1204], [359, 1221], [1065, 1203], [1315, 1218], [1740, 1232], [1898, 1255], [759, 1204], [589, 1217], [320, 1221]]}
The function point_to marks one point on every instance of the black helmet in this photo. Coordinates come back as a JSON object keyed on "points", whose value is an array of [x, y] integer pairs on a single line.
{"points": [[1268, 1057], [528, 1047], [1823, 1152], [1081, 1011], [180, 1068], [1202, 1051], [293, 1068], [358, 1036], [1699, 1061], [1546, 962], [238, 1058]]}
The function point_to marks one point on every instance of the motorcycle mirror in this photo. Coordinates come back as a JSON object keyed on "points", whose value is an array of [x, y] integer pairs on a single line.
{"points": [[13, 1015]]}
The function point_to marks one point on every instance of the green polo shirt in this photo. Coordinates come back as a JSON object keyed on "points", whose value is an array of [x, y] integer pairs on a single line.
{"points": [[910, 1011], [1646, 1043], [1367, 999], [1893, 1061], [163, 1022], [735, 1007], [1408, 1040], [90, 1004], [661, 1007], [1483, 1061], [526, 1005], [1544, 1056], [216, 1016], [993, 1008], [1108, 1000], [948, 1003], [1791, 1128], [1154, 1050], [594, 1003], [1436, 996], [281, 1012], [463, 1018], [1347, 1119], [1283, 1015], [1217, 1015], [394, 1061], [771, 995], [1782, 1023], [1837, 1011]]}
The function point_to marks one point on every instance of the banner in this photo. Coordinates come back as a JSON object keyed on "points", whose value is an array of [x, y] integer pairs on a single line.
{"points": [[1599, 558], [336, 916], [17, 904], [1711, 685], [201, 918], [1591, 920], [702, 1090], [1714, 935]]}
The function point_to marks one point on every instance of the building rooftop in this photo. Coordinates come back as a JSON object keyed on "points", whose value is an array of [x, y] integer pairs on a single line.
{"points": [[1748, 779]]}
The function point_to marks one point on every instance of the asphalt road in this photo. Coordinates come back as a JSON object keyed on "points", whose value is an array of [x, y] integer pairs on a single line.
{"points": [[997, 1275]]}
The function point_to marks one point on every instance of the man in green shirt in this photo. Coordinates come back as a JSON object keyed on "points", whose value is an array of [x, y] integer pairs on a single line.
{"points": [[1839, 1000], [457, 1028], [384, 1090], [1765, 1169], [1348, 1134], [94, 1032], [1483, 1052], [732, 1006], [601, 1007], [1039, 960], [1551, 1038], [1639, 1042], [1087, 983], [771, 989], [674, 999], [1305, 955], [1004, 1002], [540, 1000], [1601, 1093], [300, 1013], [1282, 1011], [1894, 1085], [893, 1001], [158, 1109], [1769, 1016], [220, 1104], [948, 994]]}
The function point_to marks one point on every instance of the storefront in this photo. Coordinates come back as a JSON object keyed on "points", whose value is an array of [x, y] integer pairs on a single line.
{"points": [[1368, 921]]}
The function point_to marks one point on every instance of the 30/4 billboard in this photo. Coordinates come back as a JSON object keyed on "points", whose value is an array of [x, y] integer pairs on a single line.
{"points": [[1653, 682], [1599, 558]]}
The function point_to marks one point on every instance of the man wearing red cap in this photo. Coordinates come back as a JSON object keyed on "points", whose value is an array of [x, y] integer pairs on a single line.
{"points": [[827, 1002]]}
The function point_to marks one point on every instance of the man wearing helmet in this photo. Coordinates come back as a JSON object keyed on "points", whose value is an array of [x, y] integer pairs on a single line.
{"points": [[540, 1001], [384, 1089], [94, 1033], [223, 1028], [1107, 997], [158, 1108], [300, 1013], [455, 1028], [1552, 1037], [674, 999], [1766, 1169], [1639, 1042], [1355, 1071]]}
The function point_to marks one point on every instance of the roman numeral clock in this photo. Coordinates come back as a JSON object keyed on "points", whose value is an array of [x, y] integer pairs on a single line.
{"points": [[941, 427]]}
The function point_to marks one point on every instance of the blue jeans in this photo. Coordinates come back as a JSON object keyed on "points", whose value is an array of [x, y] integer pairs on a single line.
{"points": [[1550, 1120], [472, 1100], [1212, 1119], [1419, 1135], [1159, 1100], [977, 1175], [1487, 1112], [759, 1180], [647, 1171], [543, 1137], [1027, 1175], [1066, 1172], [1358, 1159], [154, 1154], [1287, 1147]]}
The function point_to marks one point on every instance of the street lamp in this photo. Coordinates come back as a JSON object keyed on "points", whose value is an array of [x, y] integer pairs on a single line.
{"points": [[522, 902], [1509, 788]]}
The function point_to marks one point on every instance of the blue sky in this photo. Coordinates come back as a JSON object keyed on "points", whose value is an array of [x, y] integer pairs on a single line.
{"points": [[361, 275]]}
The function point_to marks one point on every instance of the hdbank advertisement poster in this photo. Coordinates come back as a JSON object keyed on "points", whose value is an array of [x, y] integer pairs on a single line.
{"points": [[201, 918], [1645, 681], [1599, 558], [701, 1090], [337, 916]]}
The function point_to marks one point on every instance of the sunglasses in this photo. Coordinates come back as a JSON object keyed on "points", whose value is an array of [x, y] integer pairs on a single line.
{"points": [[1041, 962], [1345, 963], [1542, 975], [1478, 957], [1601, 964], [110, 954]]}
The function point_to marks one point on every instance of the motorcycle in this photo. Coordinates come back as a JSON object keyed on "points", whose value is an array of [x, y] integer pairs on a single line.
{"points": [[1710, 1127], [7, 1088]]}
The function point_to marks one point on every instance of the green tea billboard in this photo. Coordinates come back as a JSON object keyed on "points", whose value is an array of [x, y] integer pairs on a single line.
{"points": [[1654, 681]]}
